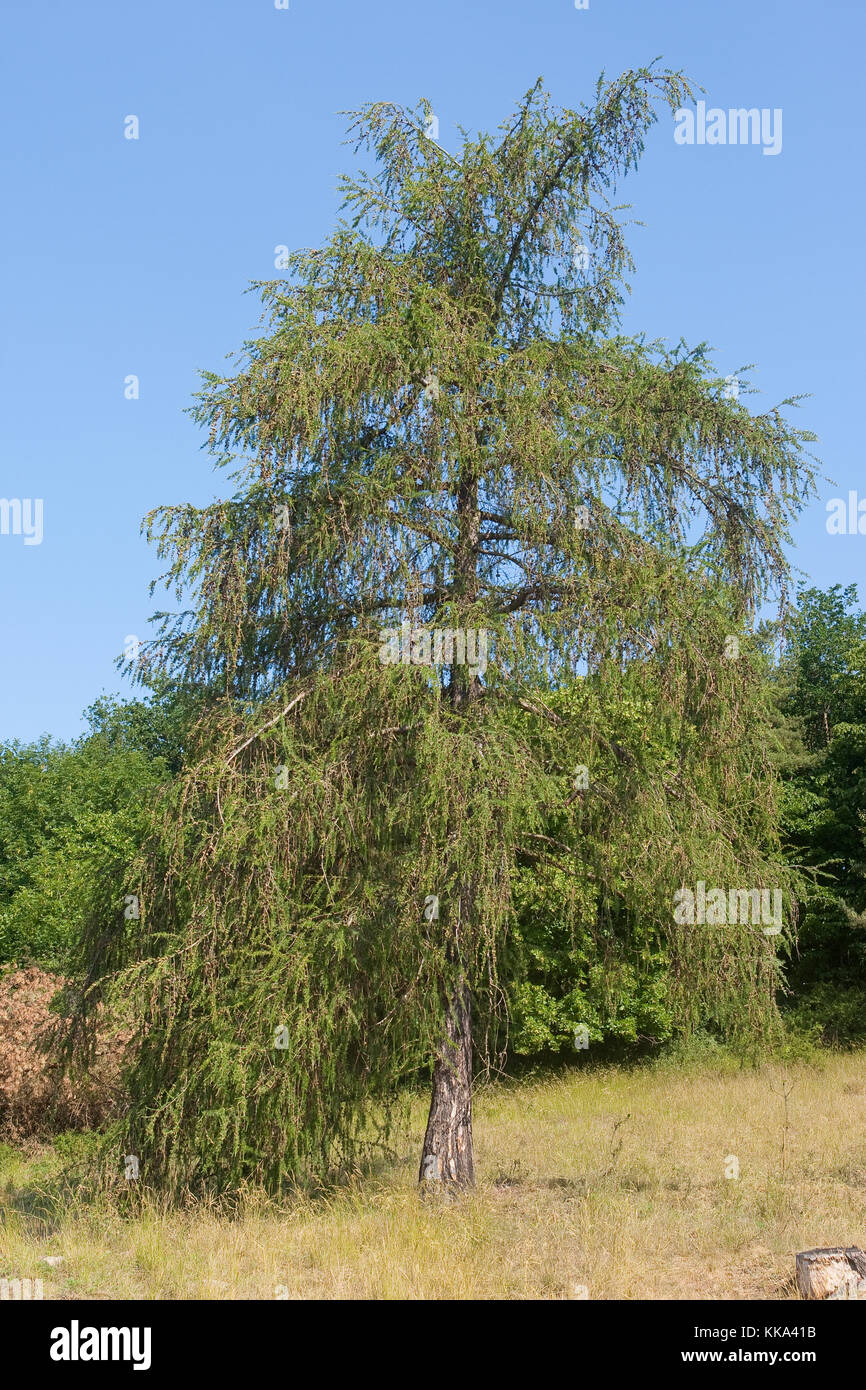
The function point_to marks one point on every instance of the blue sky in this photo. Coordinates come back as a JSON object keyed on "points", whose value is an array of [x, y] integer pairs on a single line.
{"points": [[126, 257]]}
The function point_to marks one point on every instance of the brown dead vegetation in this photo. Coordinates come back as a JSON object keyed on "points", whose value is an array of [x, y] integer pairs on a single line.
{"points": [[36, 1100]]}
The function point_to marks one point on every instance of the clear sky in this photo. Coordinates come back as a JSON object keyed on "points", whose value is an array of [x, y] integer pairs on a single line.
{"points": [[130, 257]]}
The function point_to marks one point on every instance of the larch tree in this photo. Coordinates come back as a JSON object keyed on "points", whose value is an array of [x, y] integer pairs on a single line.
{"points": [[464, 502]]}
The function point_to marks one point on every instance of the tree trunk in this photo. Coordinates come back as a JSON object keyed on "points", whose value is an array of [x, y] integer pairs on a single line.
{"points": [[447, 1161]]}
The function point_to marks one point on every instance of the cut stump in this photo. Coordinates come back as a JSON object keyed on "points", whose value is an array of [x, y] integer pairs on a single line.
{"points": [[838, 1272]]}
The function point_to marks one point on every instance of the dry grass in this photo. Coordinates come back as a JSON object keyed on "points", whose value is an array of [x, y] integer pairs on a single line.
{"points": [[571, 1193]]}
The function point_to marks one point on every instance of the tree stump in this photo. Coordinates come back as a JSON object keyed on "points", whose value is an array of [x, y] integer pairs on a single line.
{"points": [[838, 1272]]}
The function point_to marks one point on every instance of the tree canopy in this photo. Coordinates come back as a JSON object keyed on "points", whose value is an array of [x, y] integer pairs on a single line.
{"points": [[441, 428]]}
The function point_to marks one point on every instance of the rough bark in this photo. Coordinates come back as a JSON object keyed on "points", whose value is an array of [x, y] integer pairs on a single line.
{"points": [[836, 1272], [447, 1160]]}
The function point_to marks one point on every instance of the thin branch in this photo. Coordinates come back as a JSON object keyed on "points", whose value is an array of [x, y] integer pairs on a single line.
{"points": [[276, 718]]}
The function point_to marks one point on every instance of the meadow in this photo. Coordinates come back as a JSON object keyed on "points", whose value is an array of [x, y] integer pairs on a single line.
{"points": [[668, 1179]]}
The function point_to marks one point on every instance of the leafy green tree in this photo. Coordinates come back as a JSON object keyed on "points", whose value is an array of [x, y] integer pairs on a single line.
{"points": [[68, 811], [440, 428], [822, 690], [607, 967], [157, 727], [827, 662]]}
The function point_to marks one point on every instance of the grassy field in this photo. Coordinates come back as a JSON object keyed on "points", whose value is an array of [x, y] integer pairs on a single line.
{"points": [[600, 1183]]}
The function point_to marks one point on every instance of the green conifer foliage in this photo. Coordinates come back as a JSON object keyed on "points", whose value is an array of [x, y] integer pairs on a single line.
{"points": [[440, 426]]}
